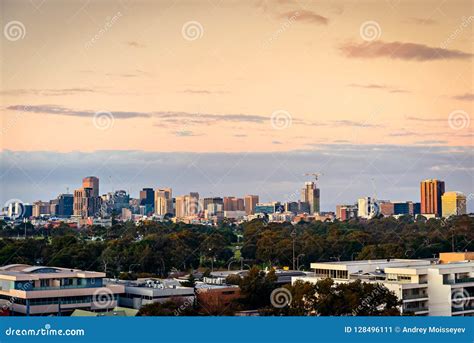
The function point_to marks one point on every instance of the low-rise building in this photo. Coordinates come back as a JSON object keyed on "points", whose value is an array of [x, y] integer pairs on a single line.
{"points": [[425, 287], [147, 291], [40, 290]]}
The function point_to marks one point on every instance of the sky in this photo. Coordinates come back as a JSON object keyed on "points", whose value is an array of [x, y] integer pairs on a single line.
{"points": [[376, 95]]}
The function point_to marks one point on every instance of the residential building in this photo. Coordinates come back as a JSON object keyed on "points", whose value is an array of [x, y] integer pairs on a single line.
{"points": [[453, 204], [431, 191], [425, 287], [40, 290], [250, 201]]}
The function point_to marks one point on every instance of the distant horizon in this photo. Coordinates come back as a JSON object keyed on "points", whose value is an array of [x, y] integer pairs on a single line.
{"points": [[277, 176], [237, 97]]}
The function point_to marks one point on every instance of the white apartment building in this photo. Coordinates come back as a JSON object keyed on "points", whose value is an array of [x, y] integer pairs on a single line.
{"points": [[443, 287]]}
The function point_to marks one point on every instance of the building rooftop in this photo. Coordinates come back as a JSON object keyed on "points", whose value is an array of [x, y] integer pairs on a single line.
{"points": [[27, 272]]}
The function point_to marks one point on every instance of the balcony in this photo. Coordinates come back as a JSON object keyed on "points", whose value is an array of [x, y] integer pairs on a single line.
{"points": [[456, 281]]}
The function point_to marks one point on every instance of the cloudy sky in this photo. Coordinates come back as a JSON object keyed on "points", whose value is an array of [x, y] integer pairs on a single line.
{"points": [[375, 94]]}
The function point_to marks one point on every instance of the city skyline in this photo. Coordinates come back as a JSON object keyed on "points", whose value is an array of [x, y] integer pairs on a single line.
{"points": [[179, 96]]}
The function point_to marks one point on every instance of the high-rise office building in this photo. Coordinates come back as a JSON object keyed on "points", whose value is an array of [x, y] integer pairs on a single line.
{"points": [[93, 183], [431, 192], [453, 204], [234, 204], [86, 199], [65, 205], [187, 205], [250, 202], [311, 195], [163, 201], [41, 208], [147, 199], [212, 201]]}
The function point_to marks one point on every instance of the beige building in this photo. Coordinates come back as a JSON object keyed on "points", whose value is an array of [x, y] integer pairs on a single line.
{"points": [[453, 204], [163, 201], [41, 208], [40, 290], [187, 205], [250, 202], [86, 199], [424, 287], [311, 195]]}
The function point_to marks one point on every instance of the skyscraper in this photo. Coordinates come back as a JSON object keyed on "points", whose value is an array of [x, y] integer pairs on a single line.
{"points": [[431, 192], [65, 205], [93, 183], [147, 196], [250, 202], [311, 195], [86, 199], [187, 205], [453, 204], [163, 201]]}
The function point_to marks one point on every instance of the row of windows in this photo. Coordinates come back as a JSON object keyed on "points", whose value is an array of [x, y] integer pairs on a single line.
{"points": [[333, 274]]}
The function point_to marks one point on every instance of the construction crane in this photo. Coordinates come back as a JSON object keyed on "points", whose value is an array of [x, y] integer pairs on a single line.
{"points": [[316, 175]]}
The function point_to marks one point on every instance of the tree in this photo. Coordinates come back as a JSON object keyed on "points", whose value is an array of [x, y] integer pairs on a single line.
{"points": [[256, 287]]}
